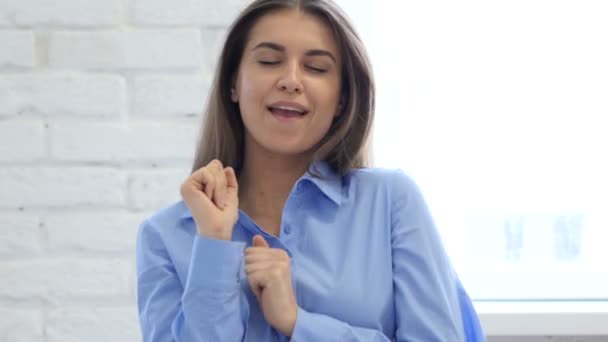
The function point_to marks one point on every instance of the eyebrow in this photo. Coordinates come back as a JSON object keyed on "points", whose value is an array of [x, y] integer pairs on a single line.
{"points": [[281, 48]]}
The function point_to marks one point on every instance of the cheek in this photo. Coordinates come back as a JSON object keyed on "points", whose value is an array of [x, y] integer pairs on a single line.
{"points": [[328, 93], [252, 85], [327, 109], [328, 101], [247, 91]]}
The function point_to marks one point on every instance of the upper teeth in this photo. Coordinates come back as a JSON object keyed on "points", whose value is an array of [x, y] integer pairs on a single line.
{"points": [[289, 108]]}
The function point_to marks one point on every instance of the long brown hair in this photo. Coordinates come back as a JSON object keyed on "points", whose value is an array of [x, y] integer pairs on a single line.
{"points": [[346, 144]]}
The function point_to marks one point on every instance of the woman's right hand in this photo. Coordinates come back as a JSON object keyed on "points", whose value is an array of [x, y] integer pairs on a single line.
{"points": [[211, 194]]}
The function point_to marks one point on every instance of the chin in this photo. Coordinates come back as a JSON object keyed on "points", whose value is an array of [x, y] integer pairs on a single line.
{"points": [[282, 144], [288, 149]]}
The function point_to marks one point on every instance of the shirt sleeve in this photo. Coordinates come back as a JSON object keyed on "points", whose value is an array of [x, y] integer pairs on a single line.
{"points": [[209, 307], [317, 327], [425, 285]]}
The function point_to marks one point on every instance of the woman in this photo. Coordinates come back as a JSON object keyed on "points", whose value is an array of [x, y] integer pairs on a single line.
{"points": [[282, 232]]}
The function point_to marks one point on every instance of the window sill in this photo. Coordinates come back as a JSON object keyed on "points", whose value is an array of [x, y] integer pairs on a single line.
{"points": [[577, 318]]}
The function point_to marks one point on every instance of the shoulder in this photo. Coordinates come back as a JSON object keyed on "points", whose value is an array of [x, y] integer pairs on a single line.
{"points": [[393, 181], [391, 187]]}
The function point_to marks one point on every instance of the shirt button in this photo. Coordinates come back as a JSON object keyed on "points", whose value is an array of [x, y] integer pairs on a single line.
{"points": [[287, 229]]}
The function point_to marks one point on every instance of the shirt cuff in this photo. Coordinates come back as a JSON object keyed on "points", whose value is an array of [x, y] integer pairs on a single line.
{"points": [[315, 327], [215, 264]]}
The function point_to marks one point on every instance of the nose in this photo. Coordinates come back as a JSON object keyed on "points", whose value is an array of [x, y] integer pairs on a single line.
{"points": [[290, 81]]}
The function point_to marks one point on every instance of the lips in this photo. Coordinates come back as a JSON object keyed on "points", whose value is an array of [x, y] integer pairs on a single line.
{"points": [[290, 113], [287, 110]]}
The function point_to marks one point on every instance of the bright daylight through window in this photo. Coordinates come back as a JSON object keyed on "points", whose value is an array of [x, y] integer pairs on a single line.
{"points": [[499, 111]]}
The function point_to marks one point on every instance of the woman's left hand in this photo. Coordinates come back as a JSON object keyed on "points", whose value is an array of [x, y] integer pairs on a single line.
{"points": [[269, 273]]}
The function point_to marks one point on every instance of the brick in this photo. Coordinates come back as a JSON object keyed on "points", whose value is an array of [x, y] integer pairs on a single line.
{"points": [[17, 49], [114, 142], [93, 325], [169, 95], [20, 235], [21, 325], [133, 49], [65, 278], [186, 12], [8, 12], [61, 186], [213, 39], [92, 232], [155, 189], [61, 13], [22, 140], [71, 94]]}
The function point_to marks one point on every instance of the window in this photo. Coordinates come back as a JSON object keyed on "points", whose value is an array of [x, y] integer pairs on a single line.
{"points": [[499, 111]]}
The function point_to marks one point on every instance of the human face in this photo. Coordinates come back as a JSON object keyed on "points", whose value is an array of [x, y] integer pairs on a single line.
{"points": [[288, 83]]}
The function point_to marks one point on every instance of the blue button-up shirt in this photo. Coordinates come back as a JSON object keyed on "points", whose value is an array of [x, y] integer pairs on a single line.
{"points": [[366, 259]]}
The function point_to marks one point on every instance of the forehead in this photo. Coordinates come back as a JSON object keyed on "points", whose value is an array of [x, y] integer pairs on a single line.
{"points": [[293, 29]]}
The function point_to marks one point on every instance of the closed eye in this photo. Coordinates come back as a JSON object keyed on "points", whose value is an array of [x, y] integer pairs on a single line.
{"points": [[269, 62], [316, 70]]}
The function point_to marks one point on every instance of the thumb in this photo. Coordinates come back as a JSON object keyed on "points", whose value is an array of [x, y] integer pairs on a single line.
{"points": [[258, 241], [232, 187], [231, 181]]}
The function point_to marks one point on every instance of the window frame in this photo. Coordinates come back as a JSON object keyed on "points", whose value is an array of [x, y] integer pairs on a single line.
{"points": [[538, 318]]}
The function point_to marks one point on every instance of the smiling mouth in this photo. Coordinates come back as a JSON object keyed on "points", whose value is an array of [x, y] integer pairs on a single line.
{"points": [[287, 112]]}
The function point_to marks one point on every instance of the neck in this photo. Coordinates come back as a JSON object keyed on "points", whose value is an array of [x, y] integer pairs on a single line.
{"points": [[265, 181]]}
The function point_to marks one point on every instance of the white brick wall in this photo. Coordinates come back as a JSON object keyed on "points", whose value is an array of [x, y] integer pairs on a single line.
{"points": [[185, 12], [142, 49], [20, 235], [61, 13], [105, 324], [21, 324], [18, 49], [100, 104], [46, 92]]}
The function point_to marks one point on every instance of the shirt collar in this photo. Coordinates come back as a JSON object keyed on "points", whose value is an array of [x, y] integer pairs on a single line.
{"points": [[329, 182], [325, 179]]}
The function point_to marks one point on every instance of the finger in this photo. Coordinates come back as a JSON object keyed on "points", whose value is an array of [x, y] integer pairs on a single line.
{"points": [[220, 188], [256, 281], [210, 185], [259, 257], [232, 187], [253, 254], [216, 167], [258, 241], [263, 250], [257, 292], [201, 175], [231, 181], [199, 179], [259, 266]]}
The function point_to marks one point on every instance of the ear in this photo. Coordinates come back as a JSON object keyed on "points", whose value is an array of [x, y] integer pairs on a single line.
{"points": [[235, 85], [233, 95]]}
